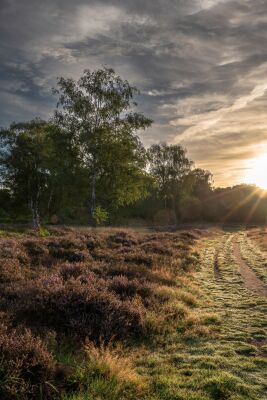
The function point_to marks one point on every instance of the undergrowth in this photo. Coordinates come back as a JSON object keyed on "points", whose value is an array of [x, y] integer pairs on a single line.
{"points": [[87, 303], [121, 315]]}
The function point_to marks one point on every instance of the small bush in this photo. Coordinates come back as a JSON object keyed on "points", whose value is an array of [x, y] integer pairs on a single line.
{"points": [[10, 271], [69, 270], [123, 238], [126, 288], [34, 248], [156, 247], [84, 285], [67, 255], [43, 232], [83, 310], [27, 369], [139, 259], [101, 215]]}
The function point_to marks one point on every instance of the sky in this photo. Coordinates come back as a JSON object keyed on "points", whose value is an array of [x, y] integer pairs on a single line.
{"points": [[200, 65]]}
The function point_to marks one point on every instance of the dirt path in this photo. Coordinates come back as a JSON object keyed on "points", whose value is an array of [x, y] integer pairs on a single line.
{"points": [[217, 272], [250, 279], [227, 361]]}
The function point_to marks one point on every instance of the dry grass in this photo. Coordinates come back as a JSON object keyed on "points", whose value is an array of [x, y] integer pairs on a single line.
{"points": [[110, 360], [94, 288], [260, 236]]}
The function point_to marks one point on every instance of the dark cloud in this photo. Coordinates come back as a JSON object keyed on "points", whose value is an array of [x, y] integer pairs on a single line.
{"points": [[201, 66]]}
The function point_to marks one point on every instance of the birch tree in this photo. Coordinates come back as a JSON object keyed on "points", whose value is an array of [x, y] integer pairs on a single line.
{"points": [[169, 166], [23, 158], [98, 109], [36, 164]]}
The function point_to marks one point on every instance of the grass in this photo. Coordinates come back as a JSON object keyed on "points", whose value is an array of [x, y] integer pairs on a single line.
{"points": [[105, 373], [203, 334], [227, 362], [93, 298], [255, 257]]}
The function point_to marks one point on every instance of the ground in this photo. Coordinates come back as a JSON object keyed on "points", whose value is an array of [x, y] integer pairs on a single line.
{"points": [[232, 364], [198, 299]]}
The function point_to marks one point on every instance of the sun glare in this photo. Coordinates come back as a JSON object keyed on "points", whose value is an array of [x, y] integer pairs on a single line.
{"points": [[257, 172]]}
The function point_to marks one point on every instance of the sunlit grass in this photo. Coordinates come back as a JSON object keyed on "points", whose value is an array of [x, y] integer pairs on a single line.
{"points": [[227, 362], [253, 256], [203, 333]]}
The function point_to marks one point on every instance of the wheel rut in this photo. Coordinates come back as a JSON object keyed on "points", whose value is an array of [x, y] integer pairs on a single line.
{"points": [[216, 268], [250, 279]]}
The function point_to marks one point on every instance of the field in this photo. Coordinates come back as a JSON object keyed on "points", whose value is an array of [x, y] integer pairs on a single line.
{"points": [[133, 315]]}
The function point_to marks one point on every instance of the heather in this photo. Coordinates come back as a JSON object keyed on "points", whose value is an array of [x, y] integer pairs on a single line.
{"points": [[80, 286], [113, 314], [27, 369]]}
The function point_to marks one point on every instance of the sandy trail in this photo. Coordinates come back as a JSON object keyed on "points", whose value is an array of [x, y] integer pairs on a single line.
{"points": [[250, 279]]}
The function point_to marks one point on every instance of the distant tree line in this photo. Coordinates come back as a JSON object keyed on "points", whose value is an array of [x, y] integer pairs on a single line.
{"points": [[88, 165]]}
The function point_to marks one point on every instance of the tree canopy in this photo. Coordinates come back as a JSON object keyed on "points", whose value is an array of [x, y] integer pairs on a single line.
{"points": [[98, 111], [89, 159]]}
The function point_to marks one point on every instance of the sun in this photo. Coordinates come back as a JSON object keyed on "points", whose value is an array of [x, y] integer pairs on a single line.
{"points": [[257, 172]]}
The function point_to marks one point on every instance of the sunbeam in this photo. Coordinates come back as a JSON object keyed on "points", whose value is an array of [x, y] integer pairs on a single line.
{"points": [[257, 173]]}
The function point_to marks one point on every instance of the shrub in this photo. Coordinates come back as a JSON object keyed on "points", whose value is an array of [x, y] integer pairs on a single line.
{"points": [[81, 309], [68, 243], [43, 232], [139, 259], [34, 248], [91, 243], [66, 255], [10, 271], [123, 238], [157, 247], [26, 369], [126, 288], [69, 270], [101, 215], [97, 286]]}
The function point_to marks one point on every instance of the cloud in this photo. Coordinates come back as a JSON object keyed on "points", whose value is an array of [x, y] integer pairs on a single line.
{"points": [[201, 67], [207, 120]]}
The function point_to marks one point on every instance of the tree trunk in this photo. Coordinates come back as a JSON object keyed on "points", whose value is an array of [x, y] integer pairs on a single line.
{"points": [[37, 218], [50, 201], [174, 212], [35, 215], [93, 199]]}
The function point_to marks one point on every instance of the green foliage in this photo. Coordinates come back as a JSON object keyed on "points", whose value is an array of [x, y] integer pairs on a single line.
{"points": [[91, 159], [97, 110], [43, 232], [24, 158], [191, 209], [101, 215], [92, 150], [34, 157], [168, 165]]}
